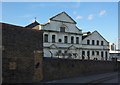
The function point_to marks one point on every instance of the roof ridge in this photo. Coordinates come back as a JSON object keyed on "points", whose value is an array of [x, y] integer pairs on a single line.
{"points": [[33, 24], [64, 13]]}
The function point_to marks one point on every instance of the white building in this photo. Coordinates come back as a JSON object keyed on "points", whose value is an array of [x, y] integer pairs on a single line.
{"points": [[63, 39], [95, 46], [114, 53]]}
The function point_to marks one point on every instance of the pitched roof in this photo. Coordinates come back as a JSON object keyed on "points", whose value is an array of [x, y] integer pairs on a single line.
{"points": [[6, 25], [84, 36], [11, 26], [45, 24], [35, 23], [60, 14]]}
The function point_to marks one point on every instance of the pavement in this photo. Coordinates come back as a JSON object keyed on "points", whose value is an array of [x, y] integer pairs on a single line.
{"points": [[111, 77]]}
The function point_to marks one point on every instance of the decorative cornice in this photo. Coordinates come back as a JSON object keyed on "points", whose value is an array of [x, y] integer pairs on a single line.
{"points": [[62, 32]]}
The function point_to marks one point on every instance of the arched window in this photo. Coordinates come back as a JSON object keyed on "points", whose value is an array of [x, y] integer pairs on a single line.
{"points": [[83, 55], [93, 42], [72, 40], [101, 42], [106, 55], [65, 39], [53, 38], [88, 54], [97, 52], [93, 53], [102, 56], [46, 38], [88, 42], [97, 42], [77, 40]]}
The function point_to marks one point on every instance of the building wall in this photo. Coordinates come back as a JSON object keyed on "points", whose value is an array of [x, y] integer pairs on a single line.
{"points": [[66, 68], [55, 25], [114, 53], [48, 46], [76, 48], [96, 48], [18, 54], [53, 28], [62, 20], [92, 57]]}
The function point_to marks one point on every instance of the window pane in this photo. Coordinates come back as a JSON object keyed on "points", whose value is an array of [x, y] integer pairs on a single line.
{"points": [[102, 54], [106, 55], [53, 38], [62, 29], [77, 40], [93, 42], [93, 53], [72, 39], [97, 42], [60, 40], [88, 42], [46, 38], [88, 53], [65, 39], [101, 42], [83, 53], [97, 52]]}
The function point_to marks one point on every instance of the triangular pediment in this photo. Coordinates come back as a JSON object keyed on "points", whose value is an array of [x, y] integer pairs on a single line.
{"points": [[63, 16], [53, 46], [95, 34], [72, 47]]}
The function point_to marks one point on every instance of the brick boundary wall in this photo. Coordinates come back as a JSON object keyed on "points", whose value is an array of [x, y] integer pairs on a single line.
{"points": [[54, 68], [20, 47]]}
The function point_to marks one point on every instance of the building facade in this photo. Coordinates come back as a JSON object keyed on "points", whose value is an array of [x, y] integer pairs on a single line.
{"points": [[95, 46], [114, 53], [63, 39]]}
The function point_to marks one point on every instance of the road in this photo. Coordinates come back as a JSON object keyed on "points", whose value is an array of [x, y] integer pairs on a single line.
{"points": [[98, 78]]}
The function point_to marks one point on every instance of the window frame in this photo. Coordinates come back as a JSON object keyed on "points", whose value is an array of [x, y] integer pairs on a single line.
{"points": [[59, 40], [65, 39], [88, 42], [77, 40], [72, 39], [102, 43], [62, 29], [97, 42], [93, 53], [97, 53], [83, 53], [53, 38], [93, 42], [102, 54], [88, 53], [45, 37]]}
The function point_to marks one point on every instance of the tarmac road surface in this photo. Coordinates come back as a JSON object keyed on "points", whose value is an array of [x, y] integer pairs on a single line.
{"points": [[97, 78]]}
